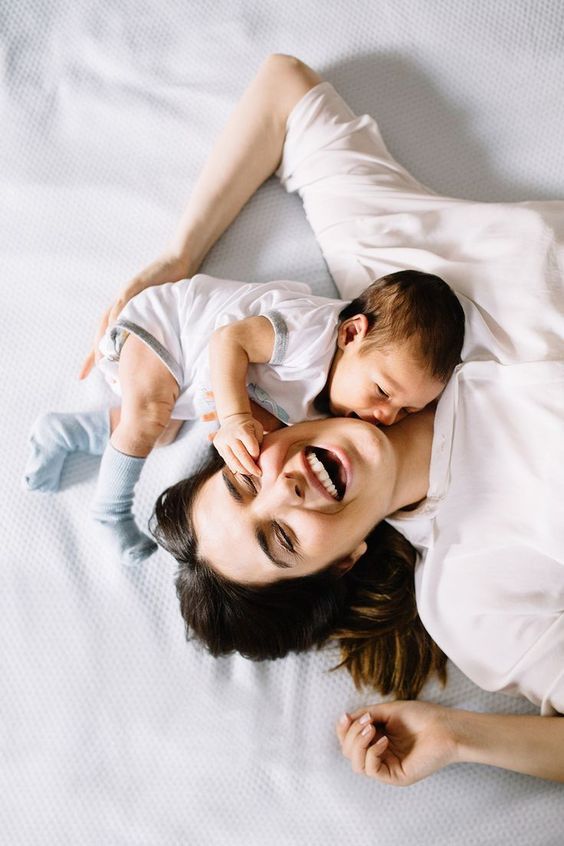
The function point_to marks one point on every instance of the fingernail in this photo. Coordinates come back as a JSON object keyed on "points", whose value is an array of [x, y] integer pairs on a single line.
{"points": [[380, 742], [343, 719], [364, 719], [366, 730]]}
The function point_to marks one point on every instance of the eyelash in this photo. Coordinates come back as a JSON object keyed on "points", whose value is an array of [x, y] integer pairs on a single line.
{"points": [[382, 393], [249, 483], [282, 538], [279, 532]]}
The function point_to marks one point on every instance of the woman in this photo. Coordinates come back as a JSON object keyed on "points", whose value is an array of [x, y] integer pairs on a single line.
{"points": [[256, 575], [494, 542]]}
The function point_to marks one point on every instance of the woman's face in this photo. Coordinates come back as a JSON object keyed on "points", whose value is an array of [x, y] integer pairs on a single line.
{"points": [[324, 486]]}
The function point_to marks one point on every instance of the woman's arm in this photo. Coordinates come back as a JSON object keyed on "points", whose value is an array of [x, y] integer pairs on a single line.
{"points": [[246, 153], [402, 742]]}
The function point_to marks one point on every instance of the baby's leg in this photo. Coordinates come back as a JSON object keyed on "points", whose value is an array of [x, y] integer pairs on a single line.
{"points": [[149, 393], [168, 436], [170, 433]]}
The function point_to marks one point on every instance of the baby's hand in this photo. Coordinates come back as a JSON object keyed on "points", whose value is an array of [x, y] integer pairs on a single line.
{"points": [[238, 442]]}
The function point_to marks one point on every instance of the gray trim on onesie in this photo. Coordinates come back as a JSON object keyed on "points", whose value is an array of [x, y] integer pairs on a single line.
{"points": [[118, 336], [280, 336]]}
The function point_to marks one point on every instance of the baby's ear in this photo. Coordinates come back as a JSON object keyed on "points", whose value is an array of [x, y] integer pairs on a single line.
{"points": [[352, 329], [342, 567]]}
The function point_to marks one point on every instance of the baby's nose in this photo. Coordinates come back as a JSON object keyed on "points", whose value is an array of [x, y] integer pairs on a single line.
{"points": [[385, 416]]}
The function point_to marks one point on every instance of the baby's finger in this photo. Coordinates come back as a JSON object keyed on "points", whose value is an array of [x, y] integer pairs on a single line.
{"points": [[252, 451], [232, 461], [250, 442], [208, 416], [246, 460]]}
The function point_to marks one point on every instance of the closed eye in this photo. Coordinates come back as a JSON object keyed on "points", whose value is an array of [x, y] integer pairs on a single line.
{"points": [[382, 393], [279, 534], [249, 484], [282, 537]]}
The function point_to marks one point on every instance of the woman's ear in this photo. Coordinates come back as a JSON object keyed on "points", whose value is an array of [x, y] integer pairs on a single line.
{"points": [[347, 563], [351, 329]]}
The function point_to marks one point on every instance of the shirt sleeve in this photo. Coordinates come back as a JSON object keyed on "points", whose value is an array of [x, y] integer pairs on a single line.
{"points": [[347, 180], [336, 154], [305, 331]]}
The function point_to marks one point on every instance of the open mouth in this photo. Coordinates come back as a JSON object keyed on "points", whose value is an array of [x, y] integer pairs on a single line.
{"points": [[328, 470]]}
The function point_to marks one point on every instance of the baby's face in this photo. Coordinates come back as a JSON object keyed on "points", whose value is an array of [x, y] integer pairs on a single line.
{"points": [[379, 385]]}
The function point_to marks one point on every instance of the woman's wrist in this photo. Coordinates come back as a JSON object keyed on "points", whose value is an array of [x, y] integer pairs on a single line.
{"points": [[168, 268], [525, 743], [460, 729], [480, 738]]}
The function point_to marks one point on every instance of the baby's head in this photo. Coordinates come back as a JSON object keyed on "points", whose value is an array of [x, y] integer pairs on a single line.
{"points": [[397, 345]]}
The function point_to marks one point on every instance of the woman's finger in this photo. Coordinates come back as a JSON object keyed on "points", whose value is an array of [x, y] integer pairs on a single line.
{"points": [[359, 747], [373, 763], [353, 732], [342, 727], [87, 365]]}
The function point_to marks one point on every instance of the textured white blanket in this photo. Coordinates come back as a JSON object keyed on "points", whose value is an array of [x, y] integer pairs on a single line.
{"points": [[113, 729]]}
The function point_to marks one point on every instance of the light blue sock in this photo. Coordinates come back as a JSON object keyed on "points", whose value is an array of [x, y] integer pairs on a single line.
{"points": [[113, 503], [54, 436]]}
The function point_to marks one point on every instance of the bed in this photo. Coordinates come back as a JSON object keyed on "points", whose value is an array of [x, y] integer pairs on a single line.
{"points": [[114, 730]]}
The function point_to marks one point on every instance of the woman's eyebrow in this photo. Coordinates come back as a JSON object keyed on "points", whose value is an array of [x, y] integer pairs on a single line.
{"points": [[262, 541], [233, 492]]}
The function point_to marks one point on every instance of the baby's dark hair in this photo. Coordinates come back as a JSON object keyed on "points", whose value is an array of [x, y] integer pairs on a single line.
{"points": [[416, 307]]}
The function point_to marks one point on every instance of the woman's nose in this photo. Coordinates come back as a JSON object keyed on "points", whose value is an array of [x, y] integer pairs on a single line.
{"points": [[286, 490], [294, 487]]}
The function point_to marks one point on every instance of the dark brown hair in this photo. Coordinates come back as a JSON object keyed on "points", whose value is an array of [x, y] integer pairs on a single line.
{"points": [[417, 307], [370, 611]]}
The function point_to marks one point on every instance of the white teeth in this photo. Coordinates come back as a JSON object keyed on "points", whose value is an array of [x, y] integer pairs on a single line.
{"points": [[321, 474]]}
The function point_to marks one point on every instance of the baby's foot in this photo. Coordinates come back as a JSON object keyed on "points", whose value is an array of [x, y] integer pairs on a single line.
{"points": [[132, 545], [113, 504], [54, 436]]}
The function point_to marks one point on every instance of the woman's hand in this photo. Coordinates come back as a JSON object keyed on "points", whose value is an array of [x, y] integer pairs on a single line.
{"points": [[398, 742], [238, 442], [169, 267]]}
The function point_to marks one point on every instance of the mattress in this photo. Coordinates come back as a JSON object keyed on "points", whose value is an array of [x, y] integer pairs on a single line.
{"points": [[114, 729]]}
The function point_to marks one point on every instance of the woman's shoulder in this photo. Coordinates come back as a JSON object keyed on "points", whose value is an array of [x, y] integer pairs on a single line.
{"points": [[498, 614]]}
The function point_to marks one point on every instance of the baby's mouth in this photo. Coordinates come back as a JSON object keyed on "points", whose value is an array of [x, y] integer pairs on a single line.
{"points": [[328, 470]]}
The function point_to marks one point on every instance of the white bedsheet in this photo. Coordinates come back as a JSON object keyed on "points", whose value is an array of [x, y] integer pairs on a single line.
{"points": [[114, 730]]}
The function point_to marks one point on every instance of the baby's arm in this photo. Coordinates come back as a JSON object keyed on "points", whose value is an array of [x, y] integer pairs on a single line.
{"points": [[232, 349]]}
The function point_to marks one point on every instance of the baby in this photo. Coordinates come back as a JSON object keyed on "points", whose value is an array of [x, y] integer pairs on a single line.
{"points": [[386, 354]]}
